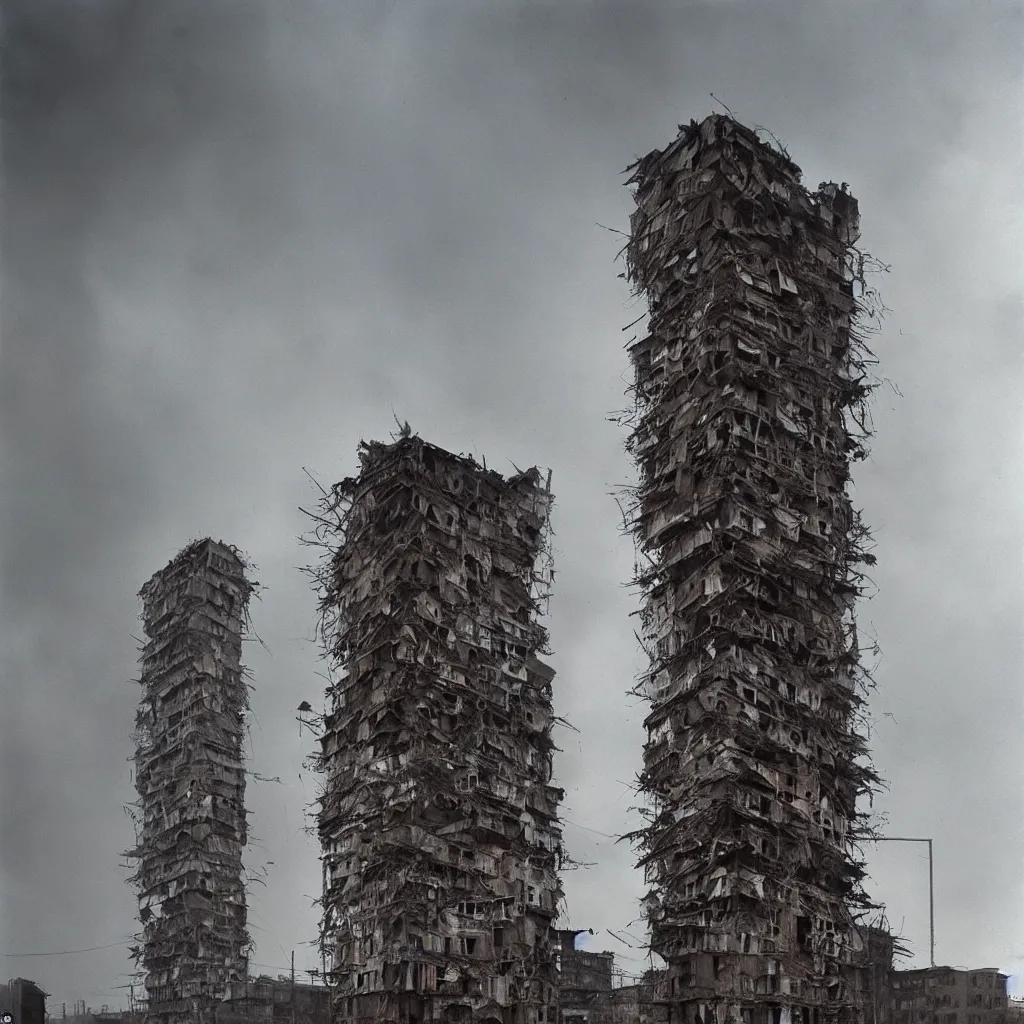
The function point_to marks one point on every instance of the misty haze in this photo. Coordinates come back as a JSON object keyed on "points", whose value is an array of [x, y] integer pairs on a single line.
{"points": [[241, 238]]}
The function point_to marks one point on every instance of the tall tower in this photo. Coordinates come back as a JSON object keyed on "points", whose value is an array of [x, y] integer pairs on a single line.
{"points": [[747, 388], [191, 783], [438, 821]]}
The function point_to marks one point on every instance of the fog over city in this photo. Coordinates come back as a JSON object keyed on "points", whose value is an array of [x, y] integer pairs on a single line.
{"points": [[238, 237]]}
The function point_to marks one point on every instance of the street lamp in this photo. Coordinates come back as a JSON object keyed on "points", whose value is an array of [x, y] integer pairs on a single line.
{"points": [[931, 883]]}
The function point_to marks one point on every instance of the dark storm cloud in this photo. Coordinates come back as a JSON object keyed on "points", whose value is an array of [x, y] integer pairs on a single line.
{"points": [[236, 235], [73, 480], [94, 98]]}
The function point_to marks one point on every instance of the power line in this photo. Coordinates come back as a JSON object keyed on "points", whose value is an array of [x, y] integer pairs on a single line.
{"points": [[586, 829], [277, 967], [65, 952]]}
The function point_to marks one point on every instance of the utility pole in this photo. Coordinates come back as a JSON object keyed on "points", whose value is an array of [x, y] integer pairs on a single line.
{"points": [[293, 986], [931, 884], [323, 975]]}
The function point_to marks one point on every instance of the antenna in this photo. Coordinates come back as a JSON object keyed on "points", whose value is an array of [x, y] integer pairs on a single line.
{"points": [[721, 104]]}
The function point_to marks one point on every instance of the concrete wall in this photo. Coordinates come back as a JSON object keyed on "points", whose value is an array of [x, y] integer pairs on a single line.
{"points": [[25, 999], [944, 995]]}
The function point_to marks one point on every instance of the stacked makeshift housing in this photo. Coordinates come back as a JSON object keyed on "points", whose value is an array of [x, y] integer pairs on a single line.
{"points": [[749, 388], [191, 783], [438, 823]]}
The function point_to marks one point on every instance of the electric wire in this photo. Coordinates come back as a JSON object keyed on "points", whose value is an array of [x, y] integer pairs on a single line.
{"points": [[66, 952]]}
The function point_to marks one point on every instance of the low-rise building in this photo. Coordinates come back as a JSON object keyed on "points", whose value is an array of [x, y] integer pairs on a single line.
{"points": [[934, 995], [635, 1004], [260, 1000], [946, 995], [586, 992], [580, 970], [271, 1001], [25, 999]]}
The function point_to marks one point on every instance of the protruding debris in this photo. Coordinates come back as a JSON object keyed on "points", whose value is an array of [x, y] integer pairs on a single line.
{"points": [[749, 406], [190, 778], [438, 821]]}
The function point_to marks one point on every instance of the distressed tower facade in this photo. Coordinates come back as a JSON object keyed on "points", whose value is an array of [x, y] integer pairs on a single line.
{"points": [[749, 391], [190, 777], [438, 821]]}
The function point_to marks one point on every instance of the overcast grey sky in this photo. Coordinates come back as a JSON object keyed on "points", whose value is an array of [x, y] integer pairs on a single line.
{"points": [[238, 234]]}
